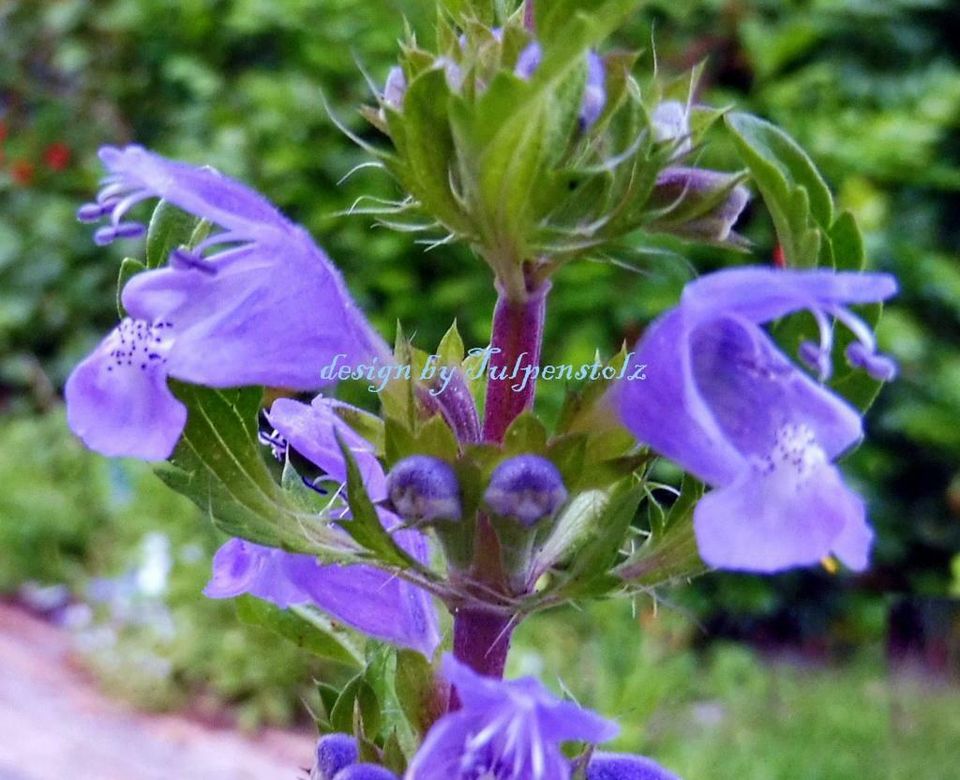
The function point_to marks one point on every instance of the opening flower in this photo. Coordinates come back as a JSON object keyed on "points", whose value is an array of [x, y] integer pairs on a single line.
{"points": [[255, 303], [726, 404], [505, 730]]}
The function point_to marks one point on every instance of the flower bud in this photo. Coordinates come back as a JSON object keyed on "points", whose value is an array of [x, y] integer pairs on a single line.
{"points": [[623, 766], [365, 772], [424, 488], [527, 487], [335, 752], [698, 203], [671, 122], [395, 88]]}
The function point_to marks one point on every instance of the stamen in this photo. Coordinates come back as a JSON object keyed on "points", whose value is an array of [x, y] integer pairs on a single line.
{"points": [[860, 329], [276, 442], [879, 367], [121, 207], [814, 357], [91, 212]]}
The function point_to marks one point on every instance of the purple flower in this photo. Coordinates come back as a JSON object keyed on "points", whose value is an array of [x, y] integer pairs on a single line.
{"points": [[670, 121], [622, 766], [726, 404], [679, 188], [594, 91], [504, 729], [369, 599], [312, 431], [255, 303]]}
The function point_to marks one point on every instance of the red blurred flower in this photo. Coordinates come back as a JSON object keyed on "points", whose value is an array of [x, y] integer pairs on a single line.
{"points": [[3, 131], [22, 172], [57, 156]]}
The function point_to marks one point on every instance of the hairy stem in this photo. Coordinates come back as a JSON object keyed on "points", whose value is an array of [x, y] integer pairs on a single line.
{"points": [[515, 355], [481, 640]]}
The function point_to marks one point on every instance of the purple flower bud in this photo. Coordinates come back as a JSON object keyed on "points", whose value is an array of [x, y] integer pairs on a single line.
{"points": [[334, 753], [527, 487], [424, 488], [623, 766], [679, 189], [395, 88], [528, 61], [594, 94], [365, 772], [671, 122]]}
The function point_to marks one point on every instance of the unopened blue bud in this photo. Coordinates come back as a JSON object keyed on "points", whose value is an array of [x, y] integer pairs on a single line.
{"points": [[365, 772], [424, 488], [395, 88], [527, 487], [622, 766], [671, 122], [335, 752]]}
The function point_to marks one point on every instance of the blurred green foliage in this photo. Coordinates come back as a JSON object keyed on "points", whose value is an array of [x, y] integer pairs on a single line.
{"points": [[872, 89]]}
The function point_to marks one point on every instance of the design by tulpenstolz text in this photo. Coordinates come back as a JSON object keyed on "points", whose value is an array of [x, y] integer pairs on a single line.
{"points": [[481, 364]]}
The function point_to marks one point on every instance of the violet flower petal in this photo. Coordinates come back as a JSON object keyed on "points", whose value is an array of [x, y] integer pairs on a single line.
{"points": [[310, 431], [118, 401], [507, 728]]}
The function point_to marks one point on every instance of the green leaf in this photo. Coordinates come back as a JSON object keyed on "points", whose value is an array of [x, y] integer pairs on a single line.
{"points": [[589, 534], [416, 690], [794, 191], [218, 464], [306, 627], [525, 434], [357, 702], [450, 349], [425, 149], [169, 228], [129, 268], [848, 250]]}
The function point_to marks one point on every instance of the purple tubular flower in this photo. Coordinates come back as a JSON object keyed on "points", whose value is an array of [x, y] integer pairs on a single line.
{"points": [[268, 309], [677, 186], [364, 597], [334, 753], [527, 487], [312, 431], [504, 729], [726, 404], [369, 599], [622, 766], [424, 488]]}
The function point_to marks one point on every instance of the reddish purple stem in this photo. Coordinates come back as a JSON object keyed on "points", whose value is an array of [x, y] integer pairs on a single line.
{"points": [[515, 341]]}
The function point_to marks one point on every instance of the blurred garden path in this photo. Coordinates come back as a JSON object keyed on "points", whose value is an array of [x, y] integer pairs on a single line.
{"points": [[55, 724]]}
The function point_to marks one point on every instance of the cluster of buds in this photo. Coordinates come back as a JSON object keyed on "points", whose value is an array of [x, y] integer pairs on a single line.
{"points": [[523, 494], [581, 155]]}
